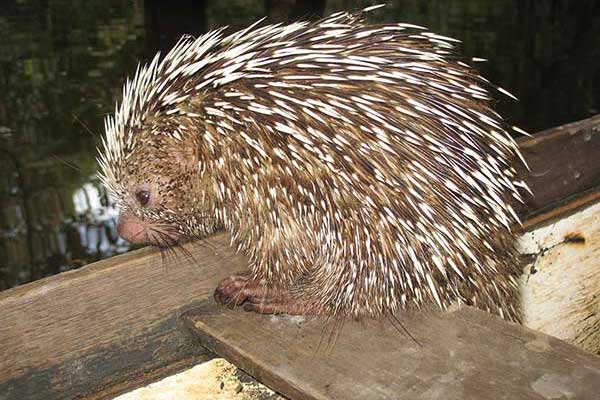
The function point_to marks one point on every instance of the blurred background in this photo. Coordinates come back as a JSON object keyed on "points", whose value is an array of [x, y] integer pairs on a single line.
{"points": [[63, 62]]}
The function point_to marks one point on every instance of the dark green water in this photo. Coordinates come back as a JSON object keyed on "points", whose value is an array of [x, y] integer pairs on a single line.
{"points": [[62, 64]]}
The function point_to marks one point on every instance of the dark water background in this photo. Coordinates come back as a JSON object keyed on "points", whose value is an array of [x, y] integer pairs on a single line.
{"points": [[62, 64]]}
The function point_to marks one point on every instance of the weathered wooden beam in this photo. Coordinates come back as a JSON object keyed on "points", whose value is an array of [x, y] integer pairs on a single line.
{"points": [[107, 327], [560, 287], [564, 163], [465, 354], [210, 380]]}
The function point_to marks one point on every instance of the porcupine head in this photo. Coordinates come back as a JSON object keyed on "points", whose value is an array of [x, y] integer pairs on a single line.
{"points": [[359, 167]]}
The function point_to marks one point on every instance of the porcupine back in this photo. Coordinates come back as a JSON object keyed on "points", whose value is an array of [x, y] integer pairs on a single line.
{"points": [[360, 164]]}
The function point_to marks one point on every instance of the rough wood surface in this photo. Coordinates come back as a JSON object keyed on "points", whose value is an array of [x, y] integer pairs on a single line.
{"points": [[560, 289], [216, 379], [101, 329], [564, 162], [466, 354]]}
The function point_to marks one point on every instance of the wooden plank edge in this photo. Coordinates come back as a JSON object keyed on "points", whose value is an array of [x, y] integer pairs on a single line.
{"points": [[142, 379], [194, 355], [563, 209], [558, 132], [564, 163], [129, 353], [72, 277], [112, 369], [238, 357], [213, 379]]}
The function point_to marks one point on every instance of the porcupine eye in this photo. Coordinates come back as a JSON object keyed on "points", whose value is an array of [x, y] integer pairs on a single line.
{"points": [[142, 196]]}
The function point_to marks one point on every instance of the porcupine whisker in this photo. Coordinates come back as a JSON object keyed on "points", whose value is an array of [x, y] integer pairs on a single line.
{"points": [[87, 128], [203, 240], [163, 259], [177, 246], [169, 245], [187, 254], [164, 251], [163, 232], [399, 326], [162, 256], [166, 246], [65, 162]]}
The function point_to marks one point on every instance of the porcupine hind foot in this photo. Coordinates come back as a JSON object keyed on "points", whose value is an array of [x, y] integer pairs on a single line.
{"points": [[240, 289]]}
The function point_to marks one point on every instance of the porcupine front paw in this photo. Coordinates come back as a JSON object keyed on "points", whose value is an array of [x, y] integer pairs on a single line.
{"points": [[239, 289], [236, 289]]}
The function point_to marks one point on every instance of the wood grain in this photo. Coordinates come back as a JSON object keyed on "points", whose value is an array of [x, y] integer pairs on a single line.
{"points": [[560, 287], [106, 325], [564, 163], [466, 354]]}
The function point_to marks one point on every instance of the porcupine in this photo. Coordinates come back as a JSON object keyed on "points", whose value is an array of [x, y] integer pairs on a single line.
{"points": [[360, 167]]}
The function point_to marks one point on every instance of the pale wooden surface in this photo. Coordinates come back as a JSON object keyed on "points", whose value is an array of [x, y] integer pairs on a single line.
{"points": [[216, 379], [466, 354], [98, 330], [561, 285]]}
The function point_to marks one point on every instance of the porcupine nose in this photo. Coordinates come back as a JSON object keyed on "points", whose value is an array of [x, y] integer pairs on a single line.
{"points": [[132, 229]]}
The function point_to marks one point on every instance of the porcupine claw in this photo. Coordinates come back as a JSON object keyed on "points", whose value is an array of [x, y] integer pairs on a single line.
{"points": [[279, 304], [239, 289], [235, 290]]}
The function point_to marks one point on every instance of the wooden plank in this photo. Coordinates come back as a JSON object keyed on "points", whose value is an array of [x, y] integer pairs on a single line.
{"points": [[564, 162], [106, 328], [466, 354], [562, 211], [560, 288], [216, 379]]}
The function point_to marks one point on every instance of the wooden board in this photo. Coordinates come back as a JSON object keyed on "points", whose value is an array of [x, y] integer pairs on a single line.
{"points": [[560, 287], [564, 163], [108, 327], [215, 379], [466, 354]]}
